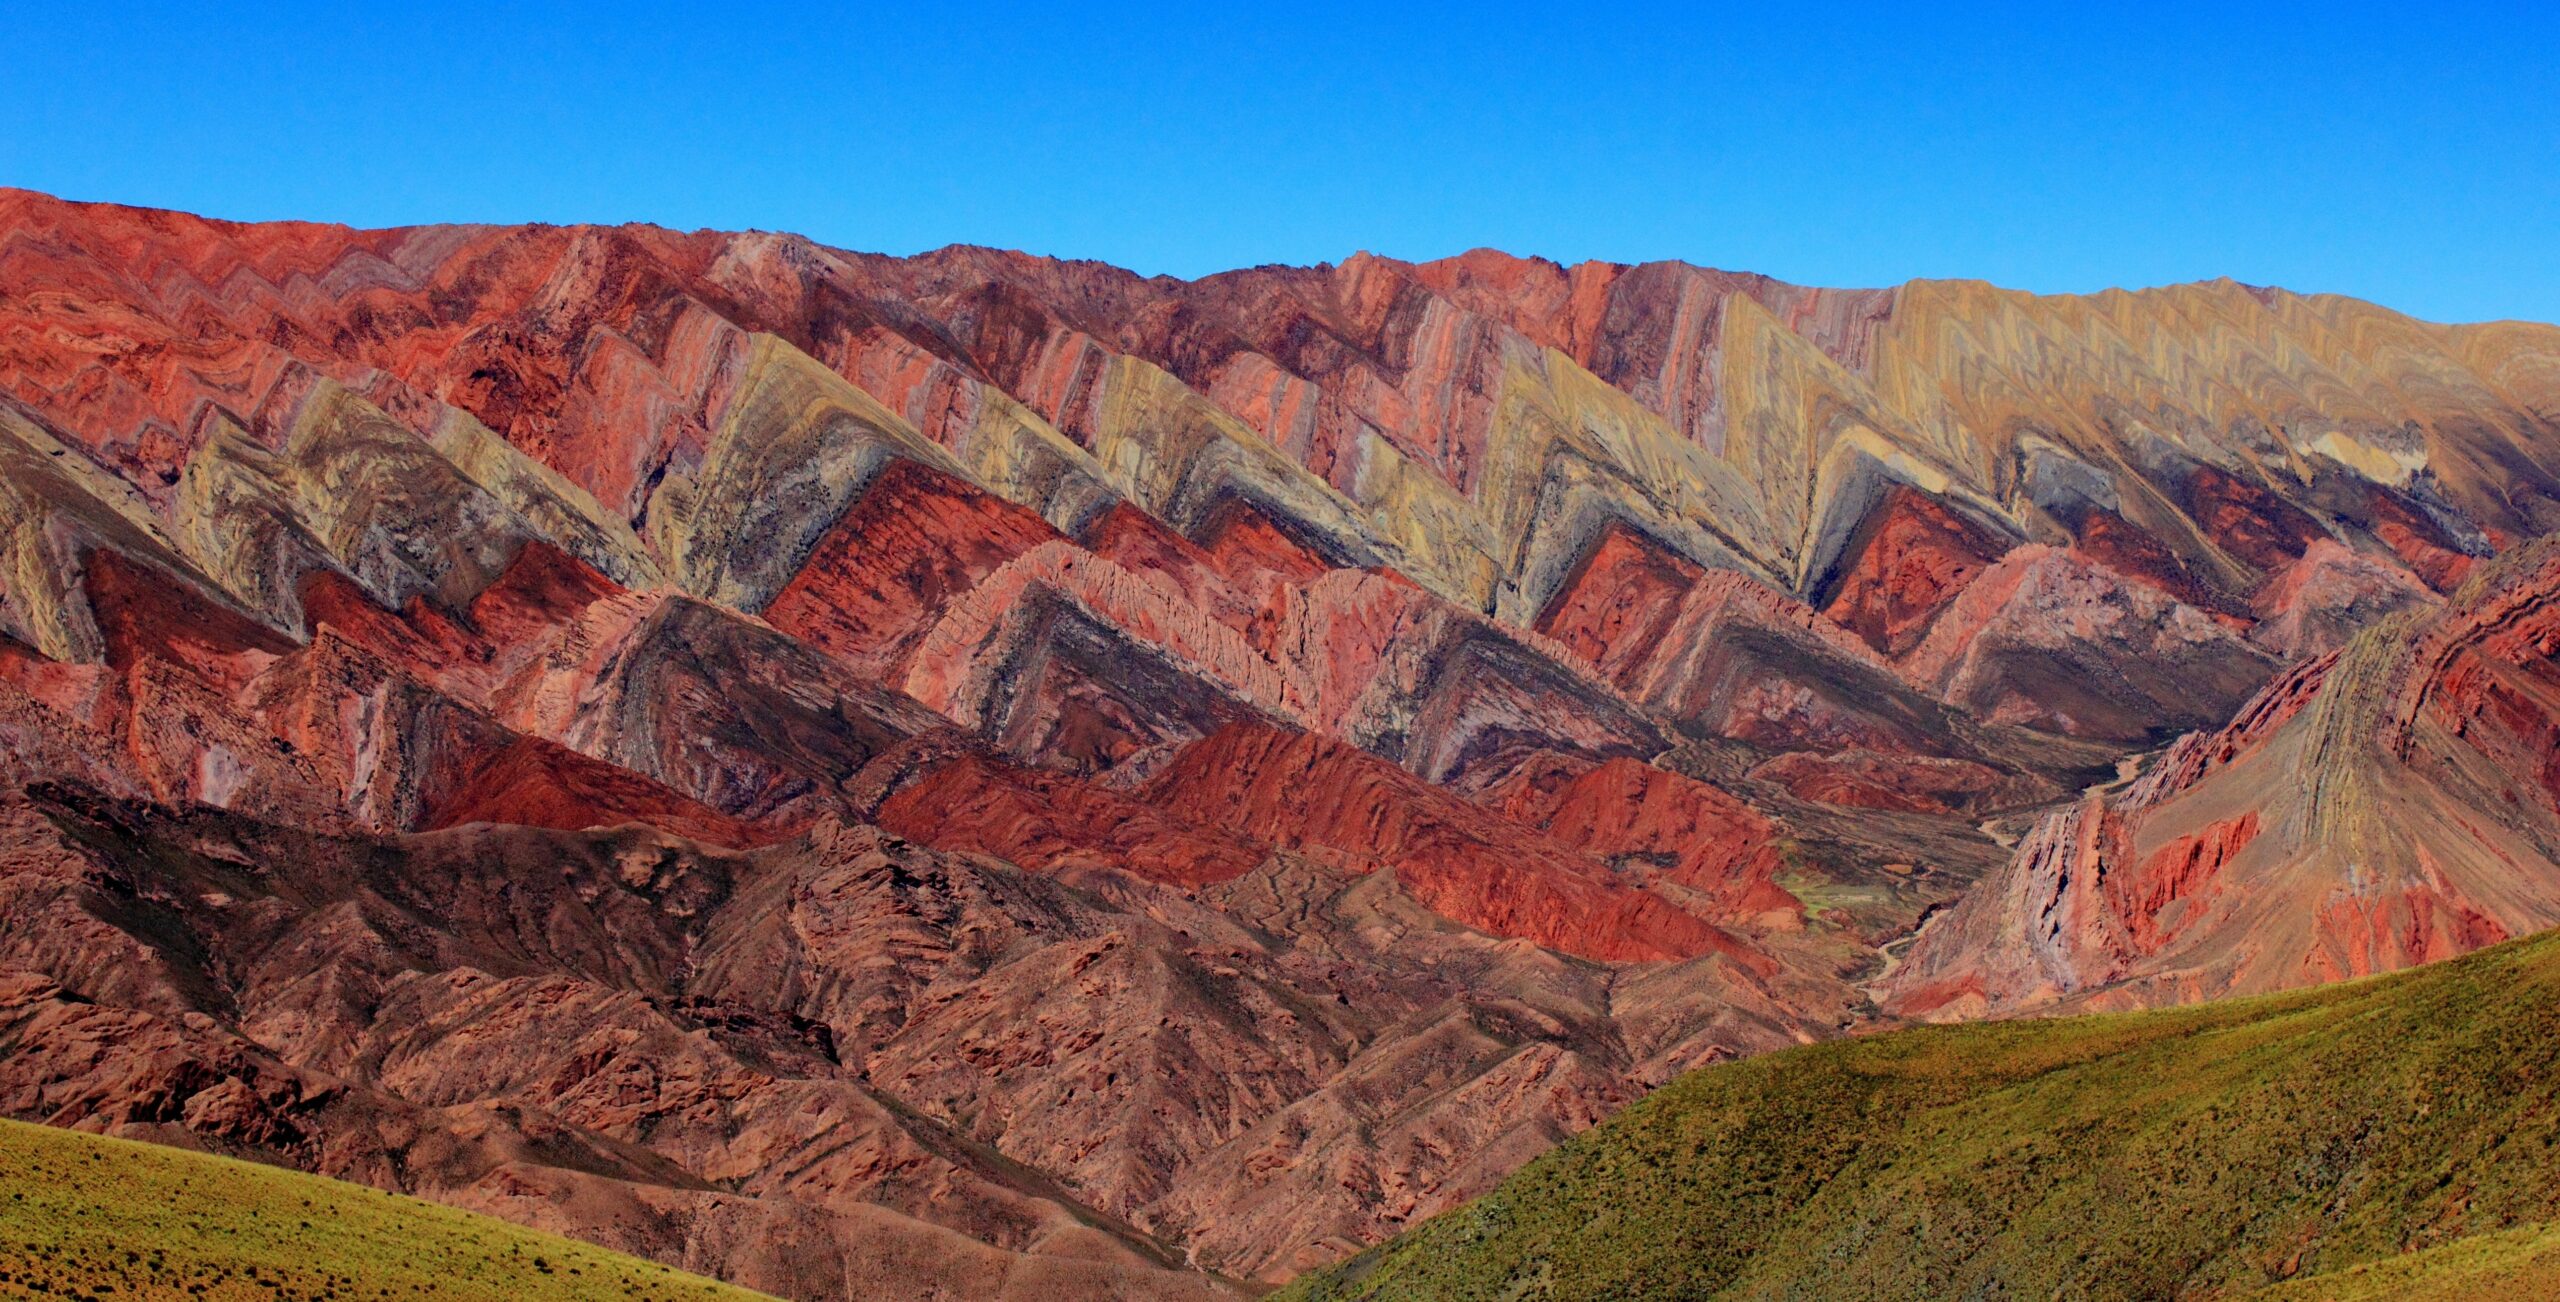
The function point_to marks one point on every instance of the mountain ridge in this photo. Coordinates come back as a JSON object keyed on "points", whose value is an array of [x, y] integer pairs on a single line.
{"points": [[1472, 252]]}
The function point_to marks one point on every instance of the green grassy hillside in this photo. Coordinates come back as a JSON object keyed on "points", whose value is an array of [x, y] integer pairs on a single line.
{"points": [[82, 1216], [2514, 1264], [2386, 1138]]}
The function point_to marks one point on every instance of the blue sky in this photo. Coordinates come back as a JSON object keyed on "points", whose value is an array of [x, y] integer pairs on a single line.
{"points": [[2408, 154]]}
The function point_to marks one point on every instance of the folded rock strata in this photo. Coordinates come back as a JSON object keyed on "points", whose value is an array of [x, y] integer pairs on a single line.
{"points": [[977, 775]]}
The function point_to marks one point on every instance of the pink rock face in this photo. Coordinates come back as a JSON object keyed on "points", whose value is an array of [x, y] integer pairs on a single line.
{"points": [[2320, 601], [1138, 542], [976, 775], [2419, 541], [2047, 639], [2177, 879]]}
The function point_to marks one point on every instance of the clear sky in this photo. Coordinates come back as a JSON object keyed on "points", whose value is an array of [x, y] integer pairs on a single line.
{"points": [[2408, 154]]}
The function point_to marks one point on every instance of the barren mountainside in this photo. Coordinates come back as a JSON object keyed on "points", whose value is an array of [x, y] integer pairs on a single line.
{"points": [[975, 775]]}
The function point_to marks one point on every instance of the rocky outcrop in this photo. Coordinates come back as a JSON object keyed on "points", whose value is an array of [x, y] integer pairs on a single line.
{"points": [[2373, 809], [2046, 639], [2318, 603]]}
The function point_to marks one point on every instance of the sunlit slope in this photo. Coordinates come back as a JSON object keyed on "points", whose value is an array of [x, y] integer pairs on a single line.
{"points": [[81, 1215], [2518, 1263], [2306, 1140]]}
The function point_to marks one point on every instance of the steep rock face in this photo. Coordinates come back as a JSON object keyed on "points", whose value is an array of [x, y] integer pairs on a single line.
{"points": [[1619, 600], [219, 709], [1740, 664], [1410, 676], [889, 568], [2373, 809], [2317, 604], [1070, 661], [1139, 542], [2419, 538], [724, 709]]}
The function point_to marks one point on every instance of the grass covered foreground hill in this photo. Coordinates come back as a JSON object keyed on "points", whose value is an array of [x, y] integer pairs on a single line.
{"points": [[87, 1217], [2387, 1138]]}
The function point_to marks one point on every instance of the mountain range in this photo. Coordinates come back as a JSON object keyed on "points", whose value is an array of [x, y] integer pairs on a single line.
{"points": [[970, 775]]}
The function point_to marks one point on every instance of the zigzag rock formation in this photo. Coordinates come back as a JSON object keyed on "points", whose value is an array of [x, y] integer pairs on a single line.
{"points": [[973, 775], [2388, 804]]}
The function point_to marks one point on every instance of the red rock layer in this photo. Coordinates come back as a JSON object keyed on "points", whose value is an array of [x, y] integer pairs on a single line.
{"points": [[1903, 565], [2111, 542], [2426, 922], [1615, 606], [1253, 550], [1142, 544], [1634, 813], [1310, 793], [2250, 523], [2176, 878], [147, 615], [537, 783], [2190, 758], [885, 573], [1049, 822], [2420, 543]]}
